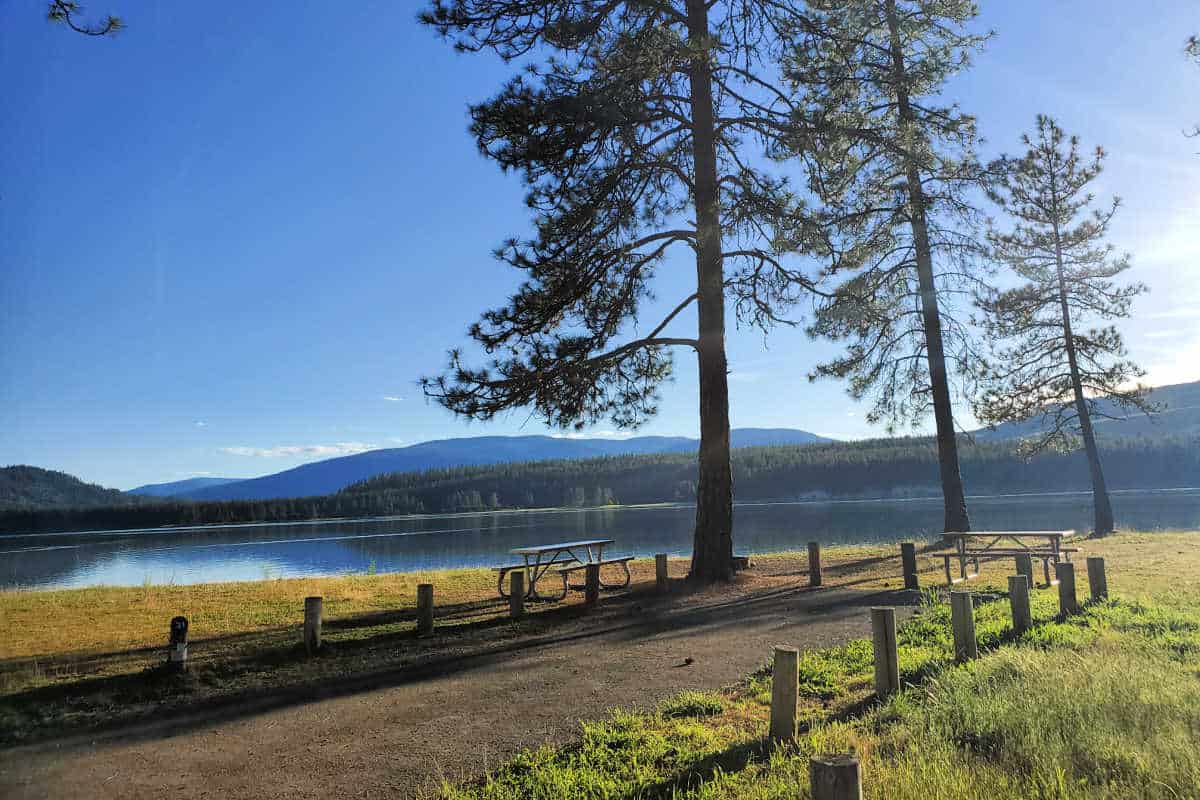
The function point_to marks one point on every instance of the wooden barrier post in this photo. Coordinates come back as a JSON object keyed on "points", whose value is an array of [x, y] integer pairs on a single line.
{"points": [[785, 690], [591, 587], [1018, 598], [177, 650], [1025, 567], [312, 624], [516, 594], [887, 663], [962, 615], [1068, 603], [835, 777], [814, 564], [1097, 580], [661, 581], [908, 557], [424, 609]]}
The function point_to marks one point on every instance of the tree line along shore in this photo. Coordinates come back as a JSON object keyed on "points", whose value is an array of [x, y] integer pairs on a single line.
{"points": [[878, 468]]}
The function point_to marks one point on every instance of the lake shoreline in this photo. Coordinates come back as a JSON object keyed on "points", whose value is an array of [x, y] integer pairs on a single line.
{"points": [[933, 494], [250, 552], [917, 494]]}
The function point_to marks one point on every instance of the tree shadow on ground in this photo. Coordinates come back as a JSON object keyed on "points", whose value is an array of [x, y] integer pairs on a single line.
{"points": [[152, 704]]}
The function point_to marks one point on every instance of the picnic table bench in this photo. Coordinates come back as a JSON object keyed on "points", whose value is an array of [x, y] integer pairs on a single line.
{"points": [[561, 559], [977, 546]]}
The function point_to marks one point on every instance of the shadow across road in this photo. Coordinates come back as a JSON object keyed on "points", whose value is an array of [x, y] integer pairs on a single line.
{"points": [[157, 705]]}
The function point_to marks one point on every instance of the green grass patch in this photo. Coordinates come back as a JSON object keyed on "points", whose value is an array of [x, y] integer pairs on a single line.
{"points": [[691, 704], [1102, 705]]}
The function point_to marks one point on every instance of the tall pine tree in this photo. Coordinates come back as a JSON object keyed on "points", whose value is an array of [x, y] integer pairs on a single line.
{"points": [[630, 131], [894, 169], [1045, 366]]}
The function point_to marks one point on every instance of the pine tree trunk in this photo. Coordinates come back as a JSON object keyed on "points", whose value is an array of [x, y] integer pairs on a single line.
{"points": [[1105, 524], [1101, 505], [712, 545], [954, 499]]}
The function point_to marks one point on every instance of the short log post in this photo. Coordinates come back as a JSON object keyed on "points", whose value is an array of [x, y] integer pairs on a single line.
{"points": [[1018, 597], [908, 557], [516, 594], [785, 689], [312, 624], [177, 649], [591, 584], [962, 616], [1068, 602], [424, 609], [887, 662], [1097, 580], [835, 777], [1025, 567], [661, 581], [814, 564]]}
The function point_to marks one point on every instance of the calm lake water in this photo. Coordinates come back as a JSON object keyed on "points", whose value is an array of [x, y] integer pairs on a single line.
{"points": [[398, 544]]}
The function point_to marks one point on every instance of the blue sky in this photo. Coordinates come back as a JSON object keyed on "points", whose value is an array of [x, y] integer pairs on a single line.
{"points": [[232, 241]]}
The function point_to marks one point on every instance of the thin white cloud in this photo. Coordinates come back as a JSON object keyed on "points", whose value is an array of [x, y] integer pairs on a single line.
{"points": [[593, 435], [302, 450], [391, 398], [1186, 312], [1173, 333], [200, 423]]}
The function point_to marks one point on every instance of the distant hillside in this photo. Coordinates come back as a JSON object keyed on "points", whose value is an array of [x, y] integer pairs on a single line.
{"points": [[1180, 416], [181, 488], [31, 488], [331, 475], [879, 468]]}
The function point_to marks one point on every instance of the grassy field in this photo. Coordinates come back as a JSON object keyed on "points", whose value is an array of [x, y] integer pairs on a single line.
{"points": [[1105, 704]]}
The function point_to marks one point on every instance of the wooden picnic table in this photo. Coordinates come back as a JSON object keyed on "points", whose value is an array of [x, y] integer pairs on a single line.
{"points": [[563, 558], [977, 546]]}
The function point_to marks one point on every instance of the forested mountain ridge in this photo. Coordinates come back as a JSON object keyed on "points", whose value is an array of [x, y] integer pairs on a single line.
{"points": [[877, 468], [331, 475], [26, 487], [181, 488], [1178, 415]]}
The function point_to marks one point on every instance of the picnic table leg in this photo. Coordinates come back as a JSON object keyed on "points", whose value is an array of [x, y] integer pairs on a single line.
{"points": [[628, 578], [949, 577], [533, 574], [962, 558]]}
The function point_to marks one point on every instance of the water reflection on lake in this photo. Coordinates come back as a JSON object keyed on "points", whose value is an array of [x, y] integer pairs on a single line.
{"points": [[252, 552]]}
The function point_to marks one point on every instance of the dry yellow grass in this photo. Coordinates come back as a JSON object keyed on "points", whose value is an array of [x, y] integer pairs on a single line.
{"points": [[114, 619], [107, 619]]}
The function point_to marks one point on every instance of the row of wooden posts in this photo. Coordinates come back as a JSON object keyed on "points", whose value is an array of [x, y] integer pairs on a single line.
{"points": [[839, 776], [313, 606]]}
